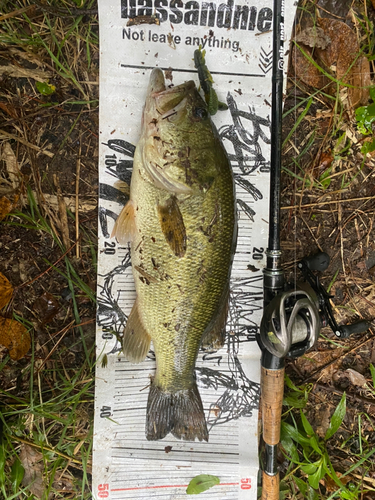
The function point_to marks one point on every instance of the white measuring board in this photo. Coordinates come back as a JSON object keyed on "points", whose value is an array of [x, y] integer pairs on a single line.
{"points": [[237, 37]]}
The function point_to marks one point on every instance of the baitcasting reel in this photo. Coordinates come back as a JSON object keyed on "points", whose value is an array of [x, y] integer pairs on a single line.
{"points": [[292, 321]]}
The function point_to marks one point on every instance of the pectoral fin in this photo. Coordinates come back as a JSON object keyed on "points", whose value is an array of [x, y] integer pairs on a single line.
{"points": [[136, 341], [173, 227], [125, 227]]}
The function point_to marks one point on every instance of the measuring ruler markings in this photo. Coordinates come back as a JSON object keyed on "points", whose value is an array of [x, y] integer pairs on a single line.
{"points": [[127, 466]]}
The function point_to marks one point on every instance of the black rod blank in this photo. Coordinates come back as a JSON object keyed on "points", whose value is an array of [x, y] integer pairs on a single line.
{"points": [[276, 124]]}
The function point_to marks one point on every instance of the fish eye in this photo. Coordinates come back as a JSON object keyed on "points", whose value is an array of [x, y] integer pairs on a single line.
{"points": [[200, 113]]}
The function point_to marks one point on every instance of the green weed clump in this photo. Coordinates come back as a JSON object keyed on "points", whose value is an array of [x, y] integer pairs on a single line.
{"points": [[365, 116], [310, 455]]}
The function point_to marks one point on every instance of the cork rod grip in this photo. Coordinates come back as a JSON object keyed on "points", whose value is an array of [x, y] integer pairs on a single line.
{"points": [[271, 487], [272, 389]]}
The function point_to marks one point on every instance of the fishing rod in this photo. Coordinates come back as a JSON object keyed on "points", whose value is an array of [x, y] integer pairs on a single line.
{"points": [[293, 313]]}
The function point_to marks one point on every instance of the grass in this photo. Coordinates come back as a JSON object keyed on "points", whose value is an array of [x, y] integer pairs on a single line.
{"points": [[53, 422], [327, 446], [310, 466], [46, 398]]}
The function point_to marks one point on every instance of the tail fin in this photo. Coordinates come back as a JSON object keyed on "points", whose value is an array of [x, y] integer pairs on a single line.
{"points": [[180, 413]]}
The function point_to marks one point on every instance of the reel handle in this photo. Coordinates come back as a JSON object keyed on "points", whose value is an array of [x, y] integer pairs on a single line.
{"points": [[320, 262], [359, 327]]}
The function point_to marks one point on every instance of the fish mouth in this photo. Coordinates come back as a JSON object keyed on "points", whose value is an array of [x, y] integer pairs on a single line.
{"points": [[168, 100]]}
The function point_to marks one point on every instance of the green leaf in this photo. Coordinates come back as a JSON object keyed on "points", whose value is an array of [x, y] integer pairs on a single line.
{"points": [[337, 418], [290, 384], [212, 102], [315, 445], [372, 93], [16, 475], [45, 88], [316, 477], [288, 444], [368, 147], [201, 483], [2, 465], [306, 425], [365, 115], [325, 178], [372, 370], [284, 490], [306, 490], [312, 494], [295, 400], [309, 469], [301, 485], [294, 434]]}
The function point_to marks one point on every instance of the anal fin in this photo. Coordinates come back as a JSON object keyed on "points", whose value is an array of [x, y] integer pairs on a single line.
{"points": [[136, 341]]}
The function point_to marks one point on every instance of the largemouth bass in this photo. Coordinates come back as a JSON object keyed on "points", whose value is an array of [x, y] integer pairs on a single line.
{"points": [[181, 221]]}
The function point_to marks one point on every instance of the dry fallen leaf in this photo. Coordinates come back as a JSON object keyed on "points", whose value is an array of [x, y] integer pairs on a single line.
{"points": [[313, 37], [45, 308], [342, 379], [10, 187], [321, 422], [360, 78], [305, 70], [6, 291], [15, 337], [32, 461], [7, 205], [330, 484], [343, 54], [325, 160], [344, 46], [11, 164], [316, 360], [18, 72], [9, 109], [336, 50], [356, 378]]}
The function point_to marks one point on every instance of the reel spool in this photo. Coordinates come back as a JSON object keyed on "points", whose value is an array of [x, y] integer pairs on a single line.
{"points": [[292, 321]]}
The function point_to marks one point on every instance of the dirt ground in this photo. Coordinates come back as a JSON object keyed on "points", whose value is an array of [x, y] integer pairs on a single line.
{"points": [[51, 142]]}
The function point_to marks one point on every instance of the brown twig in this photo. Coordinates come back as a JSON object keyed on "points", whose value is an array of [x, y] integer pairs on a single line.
{"points": [[45, 448], [26, 143], [60, 12], [330, 13], [78, 171], [313, 374], [47, 270], [64, 331], [362, 399], [330, 202], [63, 221], [15, 13]]}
